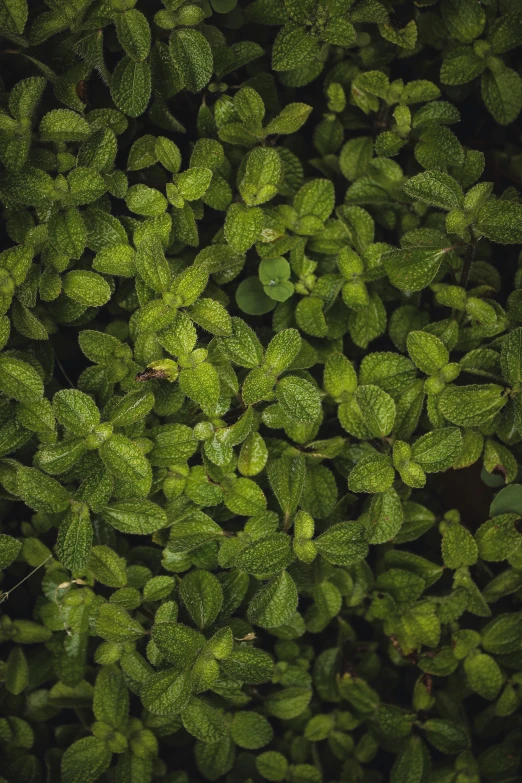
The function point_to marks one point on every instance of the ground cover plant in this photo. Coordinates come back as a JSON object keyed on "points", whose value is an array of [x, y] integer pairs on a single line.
{"points": [[260, 391]]}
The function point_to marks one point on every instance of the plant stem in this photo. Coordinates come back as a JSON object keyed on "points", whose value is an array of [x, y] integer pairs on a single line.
{"points": [[468, 261]]}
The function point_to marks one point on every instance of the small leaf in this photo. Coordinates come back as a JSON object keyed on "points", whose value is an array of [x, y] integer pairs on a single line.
{"points": [[75, 539], [436, 188], [343, 544], [412, 269], [131, 86], [192, 56], [472, 406], [501, 221], [275, 603], [203, 597], [85, 760]]}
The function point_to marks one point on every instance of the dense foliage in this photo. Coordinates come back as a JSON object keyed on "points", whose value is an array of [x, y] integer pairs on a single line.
{"points": [[259, 309]]}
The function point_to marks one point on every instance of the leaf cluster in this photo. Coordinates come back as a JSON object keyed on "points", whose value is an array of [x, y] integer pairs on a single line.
{"points": [[260, 305]]}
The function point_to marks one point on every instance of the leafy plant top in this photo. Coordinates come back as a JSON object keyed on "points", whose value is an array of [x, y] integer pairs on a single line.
{"points": [[260, 375]]}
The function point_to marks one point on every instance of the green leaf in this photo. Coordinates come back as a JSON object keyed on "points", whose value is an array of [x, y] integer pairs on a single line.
{"points": [[427, 351], [377, 408], [145, 201], [507, 501], [105, 565], [62, 125], [355, 156], [203, 597], [19, 380], [192, 56], [41, 492], [374, 473], [293, 46], [458, 546], [437, 450], [133, 33], [316, 198], [290, 119], [130, 409], [114, 624], [16, 672], [68, 233], [178, 643], [483, 675], [194, 182], [76, 411], [9, 550], [299, 398], [471, 406], [498, 538], [131, 86], [262, 175], [203, 721], [412, 269], [287, 477], [75, 538], [243, 347], [511, 357], [86, 288], [111, 698], [167, 692], [251, 297], [289, 703], [268, 555], [250, 730], [343, 544], [274, 604], [30, 186], [501, 221], [125, 459], [245, 497], [385, 517], [436, 188], [13, 15], [151, 264], [136, 516], [250, 107], [502, 94], [464, 19], [242, 226], [248, 664], [85, 760], [201, 384], [410, 764], [502, 635]]}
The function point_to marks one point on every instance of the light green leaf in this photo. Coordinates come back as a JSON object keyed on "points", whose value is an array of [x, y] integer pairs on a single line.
{"points": [[19, 380], [374, 473], [436, 188], [299, 398], [131, 86], [472, 406], [343, 544], [135, 516], [75, 538], [192, 56]]}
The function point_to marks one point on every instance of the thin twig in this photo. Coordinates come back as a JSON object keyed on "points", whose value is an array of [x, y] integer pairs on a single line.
{"points": [[58, 362], [5, 596]]}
